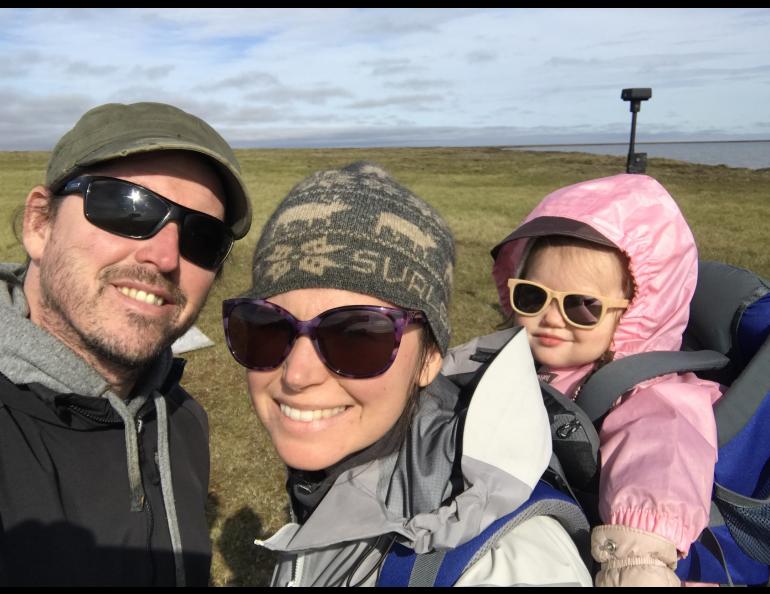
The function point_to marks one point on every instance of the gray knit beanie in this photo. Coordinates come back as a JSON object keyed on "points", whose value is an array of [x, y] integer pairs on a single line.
{"points": [[358, 229]]}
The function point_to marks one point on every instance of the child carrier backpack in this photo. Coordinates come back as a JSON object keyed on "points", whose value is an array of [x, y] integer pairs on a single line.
{"points": [[731, 314], [726, 341]]}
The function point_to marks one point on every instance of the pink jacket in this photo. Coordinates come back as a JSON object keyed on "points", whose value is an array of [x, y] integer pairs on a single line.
{"points": [[658, 449]]}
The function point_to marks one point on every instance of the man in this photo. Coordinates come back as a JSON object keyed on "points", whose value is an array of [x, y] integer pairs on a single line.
{"points": [[104, 460]]}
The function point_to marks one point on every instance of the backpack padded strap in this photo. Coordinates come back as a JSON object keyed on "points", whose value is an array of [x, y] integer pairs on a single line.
{"points": [[403, 567], [744, 396], [709, 540], [618, 377]]}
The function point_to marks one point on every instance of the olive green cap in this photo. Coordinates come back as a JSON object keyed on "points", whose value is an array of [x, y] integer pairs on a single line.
{"points": [[115, 130]]}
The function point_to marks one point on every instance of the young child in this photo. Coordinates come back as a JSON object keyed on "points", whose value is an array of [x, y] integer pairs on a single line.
{"points": [[598, 271]]}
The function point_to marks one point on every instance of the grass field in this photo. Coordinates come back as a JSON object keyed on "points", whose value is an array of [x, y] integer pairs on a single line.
{"points": [[483, 193]]}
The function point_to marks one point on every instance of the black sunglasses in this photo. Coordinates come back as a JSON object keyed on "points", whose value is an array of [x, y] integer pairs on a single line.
{"points": [[133, 211], [355, 341]]}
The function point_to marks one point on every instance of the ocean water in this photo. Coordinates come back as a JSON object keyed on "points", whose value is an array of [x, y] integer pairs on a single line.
{"points": [[753, 154]]}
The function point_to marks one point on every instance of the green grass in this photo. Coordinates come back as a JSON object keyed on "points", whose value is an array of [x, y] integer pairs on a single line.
{"points": [[483, 193]]}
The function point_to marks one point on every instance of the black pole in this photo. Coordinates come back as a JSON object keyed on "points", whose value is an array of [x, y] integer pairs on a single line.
{"points": [[630, 160], [636, 162]]}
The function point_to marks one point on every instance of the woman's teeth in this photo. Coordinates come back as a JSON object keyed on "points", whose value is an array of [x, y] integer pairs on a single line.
{"points": [[310, 415], [142, 296]]}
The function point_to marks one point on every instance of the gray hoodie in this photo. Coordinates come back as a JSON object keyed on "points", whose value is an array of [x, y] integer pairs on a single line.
{"points": [[31, 356]]}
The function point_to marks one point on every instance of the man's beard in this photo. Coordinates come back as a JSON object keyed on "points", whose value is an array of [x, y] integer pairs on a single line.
{"points": [[110, 349], [72, 312]]}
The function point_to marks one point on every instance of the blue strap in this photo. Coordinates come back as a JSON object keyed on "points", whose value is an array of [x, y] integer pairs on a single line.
{"points": [[702, 564], [400, 564], [397, 568]]}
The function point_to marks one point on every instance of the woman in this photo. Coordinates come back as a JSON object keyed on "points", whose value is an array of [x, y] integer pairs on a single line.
{"points": [[343, 333]]}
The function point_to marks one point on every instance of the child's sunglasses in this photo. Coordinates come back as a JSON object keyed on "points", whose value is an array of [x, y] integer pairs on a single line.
{"points": [[356, 341], [130, 210], [580, 310]]}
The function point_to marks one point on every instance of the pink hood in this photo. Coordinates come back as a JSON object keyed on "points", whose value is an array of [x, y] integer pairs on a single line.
{"points": [[639, 216]]}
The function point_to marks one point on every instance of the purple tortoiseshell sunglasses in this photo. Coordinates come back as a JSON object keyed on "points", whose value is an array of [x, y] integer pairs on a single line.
{"points": [[355, 341]]}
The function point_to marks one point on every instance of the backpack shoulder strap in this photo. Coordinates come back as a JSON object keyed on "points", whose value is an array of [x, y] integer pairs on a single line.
{"points": [[575, 440], [405, 568], [744, 396], [575, 443], [618, 377], [463, 361], [722, 294]]}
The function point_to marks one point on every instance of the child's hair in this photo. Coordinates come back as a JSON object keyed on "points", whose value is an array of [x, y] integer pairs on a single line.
{"points": [[563, 241]]}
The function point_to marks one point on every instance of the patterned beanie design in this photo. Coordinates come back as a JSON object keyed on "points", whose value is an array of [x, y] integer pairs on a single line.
{"points": [[358, 229]]}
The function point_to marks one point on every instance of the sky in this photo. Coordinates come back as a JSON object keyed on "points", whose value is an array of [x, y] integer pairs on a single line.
{"points": [[393, 77]]}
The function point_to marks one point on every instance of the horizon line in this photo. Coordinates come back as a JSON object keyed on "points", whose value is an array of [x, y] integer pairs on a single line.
{"points": [[311, 145], [637, 143]]}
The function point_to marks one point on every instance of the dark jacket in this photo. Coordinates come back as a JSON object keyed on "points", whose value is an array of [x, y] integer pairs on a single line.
{"points": [[65, 496], [95, 490]]}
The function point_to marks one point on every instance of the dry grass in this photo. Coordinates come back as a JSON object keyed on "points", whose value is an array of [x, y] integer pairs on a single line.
{"points": [[483, 193]]}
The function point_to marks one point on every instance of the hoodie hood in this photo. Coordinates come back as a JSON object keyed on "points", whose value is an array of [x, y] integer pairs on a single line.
{"points": [[30, 355], [638, 216]]}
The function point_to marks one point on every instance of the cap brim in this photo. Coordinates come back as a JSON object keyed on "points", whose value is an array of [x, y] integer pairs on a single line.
{"points": [[542, 226]]}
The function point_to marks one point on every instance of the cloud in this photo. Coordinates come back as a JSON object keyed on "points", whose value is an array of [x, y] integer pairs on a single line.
{"points": [[479, 56], [151, 72], [395, 25], [144, 91], [249, 116], [244, 81], [747, 73], [33, 123], [413, 101], [18, 63], [389, 66], [313, 96], [420, 84], [756, 18], [633, 60], [12, 68], [86, 69]]}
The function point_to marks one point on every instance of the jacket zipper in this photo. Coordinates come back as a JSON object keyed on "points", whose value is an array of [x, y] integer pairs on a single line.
{"points": [[145, 500], [147, 507], [85, 413], [296, 571]]}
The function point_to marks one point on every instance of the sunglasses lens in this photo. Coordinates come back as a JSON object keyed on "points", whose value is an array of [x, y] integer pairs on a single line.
{"points": [[204, 240], [528, 299], [123, 209], [583, 309], [357, 343], [258, 336]]}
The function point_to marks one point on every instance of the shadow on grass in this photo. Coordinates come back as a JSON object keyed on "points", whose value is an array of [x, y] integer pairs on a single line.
{"points": [[250, 564]]}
